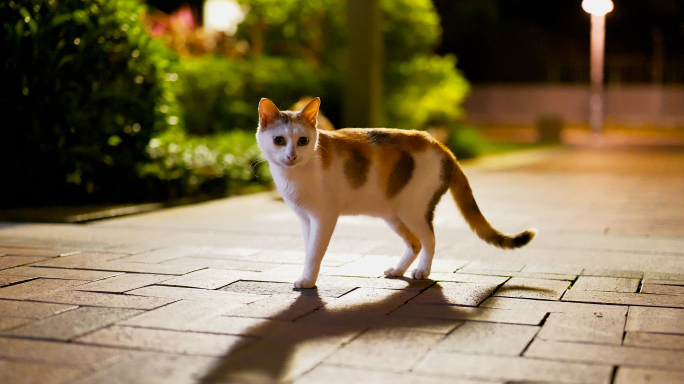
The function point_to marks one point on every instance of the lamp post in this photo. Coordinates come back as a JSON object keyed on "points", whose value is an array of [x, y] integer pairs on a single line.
{"points": [[598, 10]]}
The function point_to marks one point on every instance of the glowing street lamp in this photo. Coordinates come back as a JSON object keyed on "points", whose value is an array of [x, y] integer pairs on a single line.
{"points": [[223, 15], [598, 10]]}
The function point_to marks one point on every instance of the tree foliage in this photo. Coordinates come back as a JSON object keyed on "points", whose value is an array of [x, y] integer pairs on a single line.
{"points": [[87, 89]]}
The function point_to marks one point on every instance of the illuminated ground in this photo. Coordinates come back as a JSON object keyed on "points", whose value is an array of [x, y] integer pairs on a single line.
{"points": [[204, 293]]}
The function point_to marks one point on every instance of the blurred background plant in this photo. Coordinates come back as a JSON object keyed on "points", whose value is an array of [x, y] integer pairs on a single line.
{"points": [[116, 102], [84, 90]]}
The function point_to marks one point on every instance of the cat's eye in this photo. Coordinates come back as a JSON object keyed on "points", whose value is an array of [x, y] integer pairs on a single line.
{"points": [[303, 141], [279, 140]]}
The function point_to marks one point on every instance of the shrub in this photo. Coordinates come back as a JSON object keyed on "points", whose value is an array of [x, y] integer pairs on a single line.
{"points": [[424, 92], [219, 94], [86, 89], [228, 162]]}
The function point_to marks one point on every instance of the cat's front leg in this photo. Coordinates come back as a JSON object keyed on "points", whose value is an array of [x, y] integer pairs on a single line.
{"points": [[320, 232]]}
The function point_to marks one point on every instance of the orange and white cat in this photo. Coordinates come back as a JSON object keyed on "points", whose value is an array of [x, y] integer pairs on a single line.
{"points": [[396, 175]]}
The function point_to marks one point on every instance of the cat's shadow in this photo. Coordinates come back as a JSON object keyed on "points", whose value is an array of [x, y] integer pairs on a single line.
{"points": [[269, 359]]}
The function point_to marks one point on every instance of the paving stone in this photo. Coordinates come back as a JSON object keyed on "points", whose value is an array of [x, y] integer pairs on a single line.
{"points": [[663, 282], [468, 278], [202, 317], [153, 368], [71, 324], [624, 298], [9, 280], [448, 293], [385, 349], [210, 278], [518, 369], [31, 309], [287, 273], [58, 273], [38, 287], [201, 344], [7, 323], [271, 288], [326, 282], [371, 300], [195, 294], [367, 266], [654, 340], [30, 373], [123, 283], [436, 326], [544, 305], [177, 315], [273, 361], [606, 284], [99, 262], [663, 276], [271, 256], [342, 375], [480, 266], [602, 326], [630, 375], [527, 317], [97, 299], [15, 261], [606, 354], [204, 262], [363, 306], [36, 251], [553, 269], [533, 288], [286, 307], [55, 353], [658, 289], [489, 338], [656, 320], [612, 273], [160, 255]]}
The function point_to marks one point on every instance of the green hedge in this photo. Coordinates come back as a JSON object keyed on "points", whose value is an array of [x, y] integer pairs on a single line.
{"points": [[219, 94], [228, 162], [85, 89]]}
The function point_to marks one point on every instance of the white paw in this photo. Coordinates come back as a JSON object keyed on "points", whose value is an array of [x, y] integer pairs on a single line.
{"points": [[420, 274], [304, 282], [393, 272]]}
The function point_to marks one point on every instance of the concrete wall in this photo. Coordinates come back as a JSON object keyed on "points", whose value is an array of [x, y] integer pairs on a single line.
{"points": [[628, 105]]}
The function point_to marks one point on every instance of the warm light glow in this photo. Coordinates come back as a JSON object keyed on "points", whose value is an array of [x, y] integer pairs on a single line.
{"points": [[597, 7], [223, 15]]}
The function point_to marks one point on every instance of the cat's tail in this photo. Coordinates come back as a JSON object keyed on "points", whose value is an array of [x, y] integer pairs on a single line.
{"points": [[463, 195]]}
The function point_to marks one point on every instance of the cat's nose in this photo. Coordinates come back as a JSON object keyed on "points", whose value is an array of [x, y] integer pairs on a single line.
{"points": [[291, 157]]}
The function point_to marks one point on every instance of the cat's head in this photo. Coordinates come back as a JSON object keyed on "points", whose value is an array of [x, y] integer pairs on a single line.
{"points": [[287, 138]]}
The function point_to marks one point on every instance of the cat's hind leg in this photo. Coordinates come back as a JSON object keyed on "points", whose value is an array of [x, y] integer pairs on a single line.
{"points": [[412, 247], [424, 231]]}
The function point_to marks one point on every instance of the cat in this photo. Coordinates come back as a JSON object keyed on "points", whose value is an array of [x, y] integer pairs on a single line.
{"points": [[396, 175]]}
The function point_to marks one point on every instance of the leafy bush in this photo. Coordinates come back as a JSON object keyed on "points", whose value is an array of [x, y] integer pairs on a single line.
{"points": [[424, 92], [219, 94], [224, 162], [410, 27], [86, 90]]}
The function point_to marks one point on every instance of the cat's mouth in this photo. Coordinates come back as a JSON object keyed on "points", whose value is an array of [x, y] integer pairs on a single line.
{"points": [[290, 163]]}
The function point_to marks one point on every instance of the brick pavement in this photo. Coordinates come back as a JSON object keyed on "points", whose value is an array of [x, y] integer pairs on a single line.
{"points": [[203, 294]]}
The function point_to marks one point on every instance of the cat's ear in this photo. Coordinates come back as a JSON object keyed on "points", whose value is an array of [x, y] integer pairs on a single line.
{"points": [[268, 113], [310, 112]]}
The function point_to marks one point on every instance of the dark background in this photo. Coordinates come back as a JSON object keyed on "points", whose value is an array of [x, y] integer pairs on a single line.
{"points": [[548, 40]]}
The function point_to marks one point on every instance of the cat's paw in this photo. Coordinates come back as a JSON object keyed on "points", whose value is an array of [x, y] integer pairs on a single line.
{"points": [[420, 274], [393, 272], [304, 282]]}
